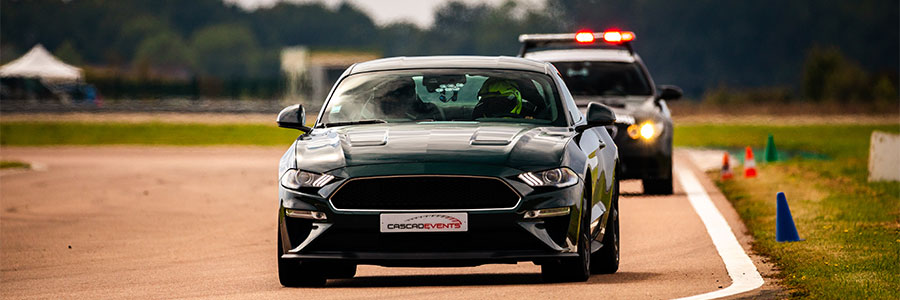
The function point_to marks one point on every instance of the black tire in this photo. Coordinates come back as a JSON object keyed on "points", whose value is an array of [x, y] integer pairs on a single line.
{"points": [[299, 274], [606, 260], [578, 268], [658, 186], [662, 185]]}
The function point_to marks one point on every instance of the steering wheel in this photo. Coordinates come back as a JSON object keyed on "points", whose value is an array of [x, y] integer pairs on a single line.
{"points": [[431, 108], [441, 112]]}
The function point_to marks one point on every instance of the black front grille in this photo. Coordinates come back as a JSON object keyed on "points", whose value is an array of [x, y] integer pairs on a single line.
{"points": [[424, 192]]}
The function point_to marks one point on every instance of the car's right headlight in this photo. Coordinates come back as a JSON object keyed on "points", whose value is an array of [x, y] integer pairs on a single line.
{"points": [[296, 179], [559, 177]]}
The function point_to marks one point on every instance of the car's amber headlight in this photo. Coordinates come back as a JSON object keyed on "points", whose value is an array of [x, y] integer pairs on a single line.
{"points": [[647, 130], [295, 179], [559, 177]]}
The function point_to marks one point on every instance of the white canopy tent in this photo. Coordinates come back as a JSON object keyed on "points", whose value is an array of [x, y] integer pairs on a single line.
{"points": [[39, 63]]}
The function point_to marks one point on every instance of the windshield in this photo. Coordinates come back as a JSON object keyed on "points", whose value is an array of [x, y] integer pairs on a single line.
{"points": [[444, 95], [588, 78]]}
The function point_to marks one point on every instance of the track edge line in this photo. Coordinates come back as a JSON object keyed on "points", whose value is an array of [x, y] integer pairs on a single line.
{"points": [[744, 275]]}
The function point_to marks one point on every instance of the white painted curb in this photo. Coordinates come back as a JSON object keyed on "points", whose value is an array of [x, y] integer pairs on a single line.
{"points": [[744, 275]]}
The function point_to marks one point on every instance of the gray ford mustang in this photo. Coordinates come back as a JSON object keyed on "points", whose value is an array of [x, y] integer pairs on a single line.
{"points": [[448, 161]]}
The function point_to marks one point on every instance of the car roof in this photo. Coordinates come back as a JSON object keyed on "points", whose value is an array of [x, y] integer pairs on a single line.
{"points": [[460, 62], [612, 55]]}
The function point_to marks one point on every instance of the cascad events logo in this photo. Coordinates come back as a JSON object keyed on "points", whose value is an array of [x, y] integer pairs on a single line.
{"points": [[428, 222]]}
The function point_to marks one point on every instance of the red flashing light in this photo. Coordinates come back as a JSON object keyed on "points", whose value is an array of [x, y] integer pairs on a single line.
{"points": [[616, 36], [612, 36], [584, 37]]}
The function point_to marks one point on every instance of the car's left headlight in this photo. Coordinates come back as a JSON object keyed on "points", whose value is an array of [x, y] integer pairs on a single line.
{"points": [[559, 177], [647, 130], [296, 179]]}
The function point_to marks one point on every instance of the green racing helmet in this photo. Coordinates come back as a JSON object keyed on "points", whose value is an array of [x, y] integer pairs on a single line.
{"points": [[504, 91]]}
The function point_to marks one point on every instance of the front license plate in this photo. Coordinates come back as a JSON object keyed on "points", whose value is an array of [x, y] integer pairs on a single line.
{"points": [[425, 222]]}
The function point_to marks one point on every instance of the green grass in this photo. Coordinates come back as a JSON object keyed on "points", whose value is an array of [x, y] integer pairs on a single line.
{"points": [[9, 164], [851, 226], [75, 133]]}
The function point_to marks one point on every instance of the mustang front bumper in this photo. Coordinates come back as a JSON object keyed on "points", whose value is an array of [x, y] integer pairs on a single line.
{"points": [[493, 236]]}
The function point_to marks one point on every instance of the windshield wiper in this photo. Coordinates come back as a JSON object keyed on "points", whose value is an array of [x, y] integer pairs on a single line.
{"points": [[372, 121]]}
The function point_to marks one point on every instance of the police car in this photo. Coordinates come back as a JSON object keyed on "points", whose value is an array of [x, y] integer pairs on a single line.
{"points": [[603, 67]]}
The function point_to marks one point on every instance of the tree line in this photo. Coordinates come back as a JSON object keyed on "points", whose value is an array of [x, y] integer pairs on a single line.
{"points": [[699, 45]]}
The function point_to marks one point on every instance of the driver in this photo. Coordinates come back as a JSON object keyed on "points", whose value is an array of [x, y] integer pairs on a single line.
{"points": [[400, 101], [498, 98]]}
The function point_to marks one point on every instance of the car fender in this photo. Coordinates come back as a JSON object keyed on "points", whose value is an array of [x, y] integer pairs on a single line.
{"points": [[601, 157]]}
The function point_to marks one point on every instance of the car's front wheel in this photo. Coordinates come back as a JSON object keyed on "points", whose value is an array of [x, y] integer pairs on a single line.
{"points": [[606, 260], [576, 268], [299, 274]]}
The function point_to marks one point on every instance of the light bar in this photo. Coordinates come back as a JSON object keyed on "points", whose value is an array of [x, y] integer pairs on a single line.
{"points": [[546, 37], [581, 37]]}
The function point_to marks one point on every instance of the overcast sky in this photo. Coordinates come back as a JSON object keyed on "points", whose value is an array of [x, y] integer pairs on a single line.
{"points": [[418, 12]]}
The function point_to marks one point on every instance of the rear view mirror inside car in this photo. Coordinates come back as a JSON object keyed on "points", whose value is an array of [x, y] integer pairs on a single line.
{"points": [[434, 82]]}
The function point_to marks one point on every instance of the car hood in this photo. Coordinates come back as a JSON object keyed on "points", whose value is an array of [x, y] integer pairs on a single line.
{"points": [[521, 146]]}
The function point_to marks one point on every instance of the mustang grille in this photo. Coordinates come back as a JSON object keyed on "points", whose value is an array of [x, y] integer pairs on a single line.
{"points": [[424, 192]]}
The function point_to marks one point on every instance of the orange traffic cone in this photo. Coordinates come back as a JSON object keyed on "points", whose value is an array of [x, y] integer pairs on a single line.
{"points": [[749, 164], [726, 167]]}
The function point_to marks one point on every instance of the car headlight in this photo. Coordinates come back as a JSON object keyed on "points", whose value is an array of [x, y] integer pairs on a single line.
{"points": [[647, 130], [295, 179], [559, 177]]}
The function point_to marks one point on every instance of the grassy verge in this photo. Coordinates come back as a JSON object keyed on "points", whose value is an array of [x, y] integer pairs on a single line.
{"points": [[851, 226], [9, 164], [153, 133]]}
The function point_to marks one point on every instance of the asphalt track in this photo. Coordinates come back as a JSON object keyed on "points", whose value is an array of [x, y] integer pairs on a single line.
{"points": [[177, 222]]}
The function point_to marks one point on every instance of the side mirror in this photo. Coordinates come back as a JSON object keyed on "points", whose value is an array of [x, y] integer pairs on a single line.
{"points": [[669, 92], [598, 115], [293, 117]]}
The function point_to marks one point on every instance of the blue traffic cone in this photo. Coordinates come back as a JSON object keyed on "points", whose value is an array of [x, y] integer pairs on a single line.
{"points": [[785, 231]]}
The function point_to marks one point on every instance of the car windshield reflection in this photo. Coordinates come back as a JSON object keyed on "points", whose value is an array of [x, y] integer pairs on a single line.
{"points": [[443, 95]]}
